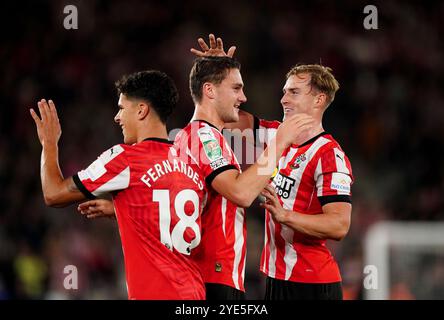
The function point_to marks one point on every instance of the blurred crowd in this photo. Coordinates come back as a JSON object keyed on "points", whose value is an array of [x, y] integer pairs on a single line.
{"points": [[388, 117]]}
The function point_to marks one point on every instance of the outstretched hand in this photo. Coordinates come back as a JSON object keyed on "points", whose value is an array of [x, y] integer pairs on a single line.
{"points": [[48, 127], [216, 48], [98, 208]]}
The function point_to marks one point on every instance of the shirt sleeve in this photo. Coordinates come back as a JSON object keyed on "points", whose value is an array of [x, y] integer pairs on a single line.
{"points": [[110, 172], [333, 176], [265, 131], [210, 150]]}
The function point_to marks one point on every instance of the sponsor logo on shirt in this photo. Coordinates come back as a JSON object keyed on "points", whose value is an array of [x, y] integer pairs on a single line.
{"points": [[339, 182], [211, 145], [284, 185], [218, 163]]}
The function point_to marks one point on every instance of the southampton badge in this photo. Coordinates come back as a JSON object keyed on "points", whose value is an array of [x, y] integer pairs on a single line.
{"points": [[298, 161]]}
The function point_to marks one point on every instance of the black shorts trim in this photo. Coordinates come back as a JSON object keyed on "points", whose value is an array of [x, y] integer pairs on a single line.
{"points": [[209, 179], [82, 188], [217, 291], [287, 290], [338, 198]]}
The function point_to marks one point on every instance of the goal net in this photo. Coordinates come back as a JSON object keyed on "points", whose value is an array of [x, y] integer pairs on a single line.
{"points": [[404, 260]]}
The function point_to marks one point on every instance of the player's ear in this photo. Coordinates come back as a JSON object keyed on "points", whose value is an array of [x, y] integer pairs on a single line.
{"points": [[143, 110], [208, 90], [320, 100]]}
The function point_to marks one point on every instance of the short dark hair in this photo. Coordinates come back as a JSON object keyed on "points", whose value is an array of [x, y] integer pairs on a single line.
{"points": [[152, 86], [209, 69]]}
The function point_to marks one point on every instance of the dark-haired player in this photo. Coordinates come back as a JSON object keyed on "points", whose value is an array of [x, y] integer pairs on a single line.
{"points": [[157, 196], [217, 90]]}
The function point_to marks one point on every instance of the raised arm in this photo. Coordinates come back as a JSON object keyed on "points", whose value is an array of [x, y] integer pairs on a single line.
{"points": [[57, 191]]}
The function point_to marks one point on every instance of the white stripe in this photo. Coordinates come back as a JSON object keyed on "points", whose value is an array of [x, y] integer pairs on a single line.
{"points": [[188, 152], [223, 211], [291, 256], [319, 178], [265, 247], [119, 182], [288, 158], [238, 245], [272, 247]]}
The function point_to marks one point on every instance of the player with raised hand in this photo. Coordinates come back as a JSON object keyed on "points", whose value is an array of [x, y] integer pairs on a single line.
{"points": [[217, 90], [309, 200], [157, 196]]}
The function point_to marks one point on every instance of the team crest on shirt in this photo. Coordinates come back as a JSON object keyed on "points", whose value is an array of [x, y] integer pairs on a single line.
{"points": [[298, 161], [284, 185], [210, 144]]}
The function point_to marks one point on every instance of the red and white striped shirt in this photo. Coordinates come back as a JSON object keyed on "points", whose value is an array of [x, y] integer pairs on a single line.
{"points": [[222, 252], [158, 201], [308, 176]]}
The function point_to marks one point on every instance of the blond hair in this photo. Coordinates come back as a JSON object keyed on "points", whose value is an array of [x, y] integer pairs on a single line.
{"points": [[322, 79]]}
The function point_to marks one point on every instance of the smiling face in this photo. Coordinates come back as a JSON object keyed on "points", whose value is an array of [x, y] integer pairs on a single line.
{"points": [[299, 96], [126, 118], [229, 95]]}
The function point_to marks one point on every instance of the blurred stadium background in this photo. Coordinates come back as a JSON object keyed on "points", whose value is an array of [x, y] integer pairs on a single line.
{"points": [[388, 117]]}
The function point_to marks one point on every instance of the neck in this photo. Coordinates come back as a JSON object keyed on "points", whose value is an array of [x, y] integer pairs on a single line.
{"points": [[314, 131], [209, 114], [154, 129]]}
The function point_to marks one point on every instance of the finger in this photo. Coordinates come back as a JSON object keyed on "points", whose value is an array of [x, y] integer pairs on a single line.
{"points": [[197, 52], [95, 210], [203, 44], [35, 117], [267, 195], [53, 110], [85, 205], [271, 190], [304, 125], [268, 207], [302, 121], [212, 41], [46, 110], [42, 112], [230, 52], [220, 44], [96, 215]]}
